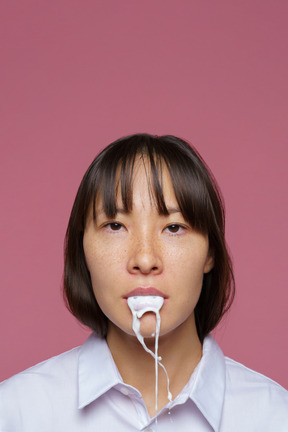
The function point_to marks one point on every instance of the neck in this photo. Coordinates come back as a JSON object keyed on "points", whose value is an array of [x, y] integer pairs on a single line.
{"points": [[180, 350]]}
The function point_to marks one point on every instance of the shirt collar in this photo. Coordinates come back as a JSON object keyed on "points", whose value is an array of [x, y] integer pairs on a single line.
{"points": [[208, 386], [97, 372]]}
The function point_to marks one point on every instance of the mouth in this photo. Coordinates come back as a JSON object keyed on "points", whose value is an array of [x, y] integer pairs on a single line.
{"points": [[143, 304], [149, 291]]}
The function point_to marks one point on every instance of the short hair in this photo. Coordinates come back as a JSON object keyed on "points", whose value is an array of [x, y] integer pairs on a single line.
{"points": [[200, 203]]}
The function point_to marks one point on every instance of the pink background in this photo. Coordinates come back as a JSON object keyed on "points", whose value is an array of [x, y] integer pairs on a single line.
{"points": [[76, 75]]}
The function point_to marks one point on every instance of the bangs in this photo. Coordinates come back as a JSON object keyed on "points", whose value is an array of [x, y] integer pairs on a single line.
{"points": [[190, 181]]}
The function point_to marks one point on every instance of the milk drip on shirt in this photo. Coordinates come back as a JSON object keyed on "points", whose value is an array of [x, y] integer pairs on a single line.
{"points": [[139, 305]]}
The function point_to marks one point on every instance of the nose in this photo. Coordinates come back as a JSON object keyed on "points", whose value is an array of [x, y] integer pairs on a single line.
{"points": [[145, 257]]}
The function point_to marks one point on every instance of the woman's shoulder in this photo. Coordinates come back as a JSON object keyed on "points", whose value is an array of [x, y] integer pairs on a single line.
{"points": [[237, 376], [240, 375], [53, 370], [48, 386], [250, 401], [249, 389]]}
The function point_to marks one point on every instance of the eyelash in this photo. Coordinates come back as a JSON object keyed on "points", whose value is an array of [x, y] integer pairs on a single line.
{"points": [[179, 227], [109, 226]]}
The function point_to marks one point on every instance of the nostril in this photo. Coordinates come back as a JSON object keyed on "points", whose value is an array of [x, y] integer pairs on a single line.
{"points": [[144, 263]]}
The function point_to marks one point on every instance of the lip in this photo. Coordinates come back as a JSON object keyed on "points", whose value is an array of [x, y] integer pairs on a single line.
{"points": [[149, 291]]}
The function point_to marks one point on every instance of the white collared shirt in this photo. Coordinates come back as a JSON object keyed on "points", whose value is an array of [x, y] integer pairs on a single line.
{"points": [[82, 390]]}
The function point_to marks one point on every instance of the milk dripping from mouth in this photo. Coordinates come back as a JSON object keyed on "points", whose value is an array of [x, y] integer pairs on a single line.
{"points": [[139, 305]]}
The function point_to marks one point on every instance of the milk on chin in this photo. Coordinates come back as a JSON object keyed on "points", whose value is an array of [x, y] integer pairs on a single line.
{"points": [[139, 305]]}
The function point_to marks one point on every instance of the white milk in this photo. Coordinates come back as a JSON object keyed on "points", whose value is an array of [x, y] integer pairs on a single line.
{"points": [[139, 305]]}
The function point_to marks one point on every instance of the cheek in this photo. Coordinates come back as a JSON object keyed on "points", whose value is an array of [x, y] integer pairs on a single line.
{"points": [[187, 274], [187, 260], [103, 264], [95, 254], [94, 260]]}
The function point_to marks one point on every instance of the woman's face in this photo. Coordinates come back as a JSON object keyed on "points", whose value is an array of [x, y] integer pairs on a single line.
{"points": [[143, 249]]}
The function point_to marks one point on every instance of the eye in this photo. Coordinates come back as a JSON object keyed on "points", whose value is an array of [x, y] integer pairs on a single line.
{"points": [[114, 226], [174, 228]]}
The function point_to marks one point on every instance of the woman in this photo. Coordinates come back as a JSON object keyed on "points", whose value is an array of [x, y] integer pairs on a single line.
{"points": [[147, 222]]}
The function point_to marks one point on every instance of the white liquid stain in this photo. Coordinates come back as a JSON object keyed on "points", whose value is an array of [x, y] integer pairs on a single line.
{"points": [[139, 305]]}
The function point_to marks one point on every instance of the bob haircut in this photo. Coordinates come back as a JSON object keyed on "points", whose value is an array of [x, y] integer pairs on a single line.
{"points": [[199, 200]]}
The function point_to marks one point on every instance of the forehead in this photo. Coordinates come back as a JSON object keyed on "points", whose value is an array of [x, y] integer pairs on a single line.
{"points": [[140, 186], [148, 181]]}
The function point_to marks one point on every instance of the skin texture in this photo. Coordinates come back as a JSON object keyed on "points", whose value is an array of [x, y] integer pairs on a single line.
{"points": [[145, 249]]}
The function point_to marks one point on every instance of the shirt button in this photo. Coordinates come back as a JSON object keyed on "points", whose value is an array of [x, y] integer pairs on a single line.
{"points": [[148, 430]]}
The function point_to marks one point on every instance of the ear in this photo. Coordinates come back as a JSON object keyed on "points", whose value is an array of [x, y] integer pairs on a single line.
{"points": [[209, 264]]}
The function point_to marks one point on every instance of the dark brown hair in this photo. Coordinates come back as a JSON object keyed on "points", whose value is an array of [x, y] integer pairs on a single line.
{"points": [[198, 198]]}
